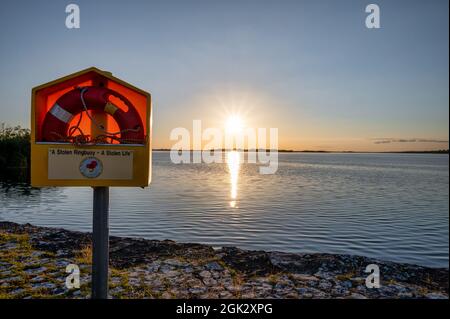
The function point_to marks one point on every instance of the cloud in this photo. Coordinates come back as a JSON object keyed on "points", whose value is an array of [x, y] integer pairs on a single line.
{"points": [[388, 140]]}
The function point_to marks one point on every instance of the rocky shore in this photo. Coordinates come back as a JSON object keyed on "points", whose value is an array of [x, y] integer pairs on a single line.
{"points": [[33, 264]]}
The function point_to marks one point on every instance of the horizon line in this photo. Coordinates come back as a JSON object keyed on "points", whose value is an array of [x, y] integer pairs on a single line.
{"points": [[438, 151]]}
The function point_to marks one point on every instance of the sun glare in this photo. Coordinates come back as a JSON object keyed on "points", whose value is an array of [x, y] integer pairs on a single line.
{"points": [[234, 124], [234, 162]]}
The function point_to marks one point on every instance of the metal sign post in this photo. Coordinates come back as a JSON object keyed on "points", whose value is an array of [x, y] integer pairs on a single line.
{"points": [[100, 243]]}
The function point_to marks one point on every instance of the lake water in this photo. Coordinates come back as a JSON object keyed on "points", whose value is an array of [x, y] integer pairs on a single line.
{"points": [[389, 206]]}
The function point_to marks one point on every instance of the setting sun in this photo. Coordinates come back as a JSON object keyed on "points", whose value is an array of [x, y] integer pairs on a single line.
{"points": [[234, 124]]}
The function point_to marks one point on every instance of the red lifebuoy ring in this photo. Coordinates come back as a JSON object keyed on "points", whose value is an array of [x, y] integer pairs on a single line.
{"points": [[56, 123]]}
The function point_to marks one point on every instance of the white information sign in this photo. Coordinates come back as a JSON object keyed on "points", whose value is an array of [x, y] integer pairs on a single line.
{"points": [[89, 164]]}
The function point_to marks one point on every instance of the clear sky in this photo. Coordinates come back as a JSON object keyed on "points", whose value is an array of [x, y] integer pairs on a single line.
{"points": [[310, 68]]}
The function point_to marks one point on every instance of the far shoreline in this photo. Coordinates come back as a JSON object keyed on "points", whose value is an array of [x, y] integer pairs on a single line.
{"points": [[315, 151]]}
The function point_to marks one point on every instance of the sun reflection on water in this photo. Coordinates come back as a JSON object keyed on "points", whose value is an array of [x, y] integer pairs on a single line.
{"points": [[234, 162]]}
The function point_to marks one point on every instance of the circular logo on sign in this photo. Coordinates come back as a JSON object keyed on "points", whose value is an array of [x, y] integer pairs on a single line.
{"points": [[91, 167]]}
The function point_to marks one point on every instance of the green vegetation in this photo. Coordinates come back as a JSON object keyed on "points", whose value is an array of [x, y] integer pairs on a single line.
{"points": [[14, 152]]}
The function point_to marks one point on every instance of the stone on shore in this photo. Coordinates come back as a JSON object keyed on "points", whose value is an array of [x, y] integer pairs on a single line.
{"points": [[33, 264]]}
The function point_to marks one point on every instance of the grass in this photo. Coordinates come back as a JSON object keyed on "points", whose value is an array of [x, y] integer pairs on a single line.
{"points": [[20, 259], [347, 276], [84, 255]]}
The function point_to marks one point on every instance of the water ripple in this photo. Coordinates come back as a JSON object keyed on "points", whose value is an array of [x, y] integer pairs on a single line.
{"points": [[387, 206]]}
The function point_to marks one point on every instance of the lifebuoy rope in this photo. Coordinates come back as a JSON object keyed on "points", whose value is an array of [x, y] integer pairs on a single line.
{"points": [[85, 138]]}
